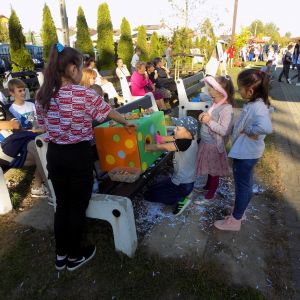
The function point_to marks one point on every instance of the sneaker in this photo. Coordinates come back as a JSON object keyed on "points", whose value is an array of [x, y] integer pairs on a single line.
{"points": [[228, 224], [230, 211], [202, 189], [60, 264], [298, 84], [39, 192], [181, 206], [88, 254], [289, 81]]}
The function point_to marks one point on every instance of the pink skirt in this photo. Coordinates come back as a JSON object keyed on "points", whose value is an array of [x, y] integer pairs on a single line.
{"points": [[210, 161]]}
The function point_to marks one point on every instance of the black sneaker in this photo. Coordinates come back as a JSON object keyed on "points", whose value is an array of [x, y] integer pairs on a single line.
{"points": [[88, 254], [60, 264], [181, 206]]}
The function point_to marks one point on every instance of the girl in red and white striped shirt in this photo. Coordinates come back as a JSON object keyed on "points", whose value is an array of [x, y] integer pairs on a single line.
{"points": [[66, 111]]}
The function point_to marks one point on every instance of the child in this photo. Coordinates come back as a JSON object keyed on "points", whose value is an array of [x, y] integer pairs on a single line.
{"points": [[267, 68], [121, 69], [66, 110], [286, 60], [174, 190], [23, 112], [135, 59], [248, 141], [216, 125]]}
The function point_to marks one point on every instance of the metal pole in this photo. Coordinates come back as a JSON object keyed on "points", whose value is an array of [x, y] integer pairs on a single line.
{"points": [[64, 22], [234, 20]]}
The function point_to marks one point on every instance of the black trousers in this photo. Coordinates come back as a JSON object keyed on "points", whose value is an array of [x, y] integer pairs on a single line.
{"points": [[70, 169], [285, 71]]}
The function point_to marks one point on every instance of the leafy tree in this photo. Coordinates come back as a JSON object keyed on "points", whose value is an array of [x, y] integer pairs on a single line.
{"points": [[162, 45], [207, 29], [48, 32], [155, 50], [125, 45], [256, 28], [142, 43], [4, 37], [18, 52], [83, 39], [242, 39], [197, 43], [105, 42]]}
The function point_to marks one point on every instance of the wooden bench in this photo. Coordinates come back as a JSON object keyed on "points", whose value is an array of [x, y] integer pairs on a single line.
{"points": [[187, 87]]}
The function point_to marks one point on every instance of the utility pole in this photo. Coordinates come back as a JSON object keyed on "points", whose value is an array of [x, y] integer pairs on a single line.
{"points": [[234, 20], [64, 22]]}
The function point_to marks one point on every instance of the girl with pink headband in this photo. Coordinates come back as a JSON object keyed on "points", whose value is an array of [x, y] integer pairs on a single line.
{"points": [[216, 125]]}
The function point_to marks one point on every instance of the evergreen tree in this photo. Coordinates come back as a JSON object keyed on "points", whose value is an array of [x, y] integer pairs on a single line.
{"points": [[83, 40], [4, 38], [125, 45], [154, 46], [105, 42], [142, 43], [18, 52], [48, 32], [197, 43], [162, 45]]}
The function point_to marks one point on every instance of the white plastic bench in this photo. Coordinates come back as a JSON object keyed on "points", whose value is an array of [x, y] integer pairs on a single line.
{"points": [[186, 87], [116, 210], [5, 202]]}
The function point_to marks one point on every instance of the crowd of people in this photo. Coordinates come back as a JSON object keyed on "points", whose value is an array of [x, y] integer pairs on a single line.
{"points": [[73, 95]]}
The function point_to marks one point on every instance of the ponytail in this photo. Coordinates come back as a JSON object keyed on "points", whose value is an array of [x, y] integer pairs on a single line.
{"points": [[258, 81], [58, 61]]}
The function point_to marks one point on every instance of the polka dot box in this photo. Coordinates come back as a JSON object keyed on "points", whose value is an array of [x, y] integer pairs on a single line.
{"points": [[117, 148]]}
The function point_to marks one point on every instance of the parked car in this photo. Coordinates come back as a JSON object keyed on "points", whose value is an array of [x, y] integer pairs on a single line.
{"points": [[36, 53]]}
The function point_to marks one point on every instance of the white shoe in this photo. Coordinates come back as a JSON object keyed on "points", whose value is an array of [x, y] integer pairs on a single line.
{"points": [[298, 84], [289, 81], [39, 192]]}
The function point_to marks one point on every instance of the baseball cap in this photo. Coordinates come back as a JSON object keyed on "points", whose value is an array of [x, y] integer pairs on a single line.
{"points": [[189, 123]]}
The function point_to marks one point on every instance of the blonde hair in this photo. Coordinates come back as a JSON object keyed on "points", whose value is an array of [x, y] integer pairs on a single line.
{"points": [[87, 74], [139, 65]]}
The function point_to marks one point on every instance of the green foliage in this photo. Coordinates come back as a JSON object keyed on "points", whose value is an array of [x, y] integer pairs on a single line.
{"points": [[18, 52], [162, 45], [142, 43], [197, 43], [105, 42], [48, 32], [256, 27], [154, 46], [242, 39], [4, 37], [83, 40], [125, 45], [207, 29]]}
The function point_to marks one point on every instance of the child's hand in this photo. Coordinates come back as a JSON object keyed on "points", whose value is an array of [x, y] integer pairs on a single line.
{"points": [[158, 138], [127, 126], [14, 124], [204, 118], [251, 136]]}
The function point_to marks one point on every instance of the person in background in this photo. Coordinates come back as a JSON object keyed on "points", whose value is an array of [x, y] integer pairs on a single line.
{"points": [[286, 60], [107, 86], [168, 54], [135, 59], [66, 111], [121, 69], [267, 68], [248, 144], [295, 55], [230, 55], [141, 84]]}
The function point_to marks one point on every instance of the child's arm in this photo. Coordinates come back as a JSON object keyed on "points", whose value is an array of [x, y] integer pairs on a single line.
{"points": [[160, 147], [159, 139], [221, 127], [9, 125], [262, 125]]}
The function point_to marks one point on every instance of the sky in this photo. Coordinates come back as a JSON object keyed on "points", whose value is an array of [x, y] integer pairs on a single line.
{"points": [[139, 12]]}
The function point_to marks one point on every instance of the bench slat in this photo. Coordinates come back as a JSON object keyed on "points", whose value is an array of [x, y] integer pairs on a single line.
{"points": [[192, 79], [194, 89]]}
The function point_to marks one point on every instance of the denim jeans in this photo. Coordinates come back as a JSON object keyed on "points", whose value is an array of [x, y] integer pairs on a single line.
{"points": [[167, 192], [243, 180]]}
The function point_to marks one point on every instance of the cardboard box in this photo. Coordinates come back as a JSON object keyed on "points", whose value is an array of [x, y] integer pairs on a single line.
{"points": [[117, 148]]}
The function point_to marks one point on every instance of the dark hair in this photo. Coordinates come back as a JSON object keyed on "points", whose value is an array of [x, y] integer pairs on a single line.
{"points": [[258, 81], [227, 85], [156, 60], [88, 61], [56, 68], [149, 64], [269, 62]]}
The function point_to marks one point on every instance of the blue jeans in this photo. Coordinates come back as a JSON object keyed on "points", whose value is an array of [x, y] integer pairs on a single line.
{"points": [[167, 192], [243, 180]]}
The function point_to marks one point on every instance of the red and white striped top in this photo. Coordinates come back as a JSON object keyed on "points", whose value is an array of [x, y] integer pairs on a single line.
{"points": [[70, 114]]}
